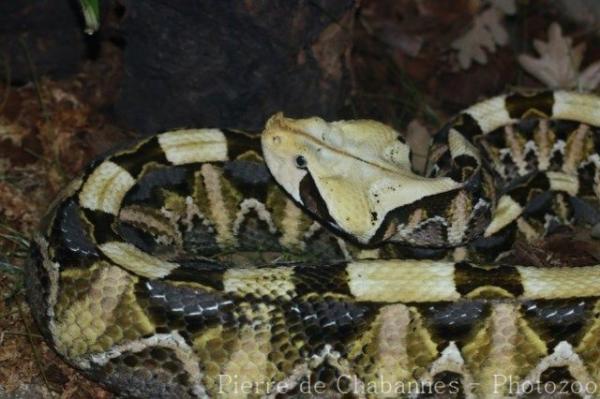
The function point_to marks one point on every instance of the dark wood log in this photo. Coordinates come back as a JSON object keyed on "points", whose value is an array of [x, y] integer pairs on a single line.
{"points": [[233, 63]]}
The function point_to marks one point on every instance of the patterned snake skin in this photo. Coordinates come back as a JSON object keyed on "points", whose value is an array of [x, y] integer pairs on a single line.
{"points": [[185, 267]]}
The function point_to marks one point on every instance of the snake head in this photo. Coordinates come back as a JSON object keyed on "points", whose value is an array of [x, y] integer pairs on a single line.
{"points": [[350, 174]]}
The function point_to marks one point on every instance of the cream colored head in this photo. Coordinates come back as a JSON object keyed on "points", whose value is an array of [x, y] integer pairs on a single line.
{"points": [[294, 147], [349, 173]]}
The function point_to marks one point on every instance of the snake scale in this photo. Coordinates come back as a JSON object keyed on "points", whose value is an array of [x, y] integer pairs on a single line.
{"points": [[312, 262]]}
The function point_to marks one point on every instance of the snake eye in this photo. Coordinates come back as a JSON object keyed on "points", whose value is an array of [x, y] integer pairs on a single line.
{"points": [[300, 162]]}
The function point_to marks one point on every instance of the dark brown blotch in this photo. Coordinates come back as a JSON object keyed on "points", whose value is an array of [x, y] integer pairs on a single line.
{"points": [[468, 278], [538, 105]]}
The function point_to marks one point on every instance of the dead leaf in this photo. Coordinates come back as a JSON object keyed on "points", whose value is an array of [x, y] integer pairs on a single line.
{"points": [[16, 208], [11, 132], [559, 63], [332, 46], [412, 26], [486, 33], [567, 246], [418, 139]]}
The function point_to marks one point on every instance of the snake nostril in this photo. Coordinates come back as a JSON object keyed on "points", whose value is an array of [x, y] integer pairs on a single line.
{"points": [[276, 139]]}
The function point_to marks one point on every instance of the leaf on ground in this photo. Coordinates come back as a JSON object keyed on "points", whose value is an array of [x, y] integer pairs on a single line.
{"points": [[559, 62], [385, 21], [567, 247], [16, 207], [332, 47], [418, 139], [414, 27], [487, 33], [11, 132]]}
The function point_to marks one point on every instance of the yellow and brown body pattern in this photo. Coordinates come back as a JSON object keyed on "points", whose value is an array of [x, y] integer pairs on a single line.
{"points": [[179, 268]]}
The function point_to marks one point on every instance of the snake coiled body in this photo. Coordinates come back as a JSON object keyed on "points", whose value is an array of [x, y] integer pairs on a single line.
{"points": [[179, 267]]}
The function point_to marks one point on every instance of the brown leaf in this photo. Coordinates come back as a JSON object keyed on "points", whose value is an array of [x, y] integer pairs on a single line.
{"points": [[419, 139], [486, 33], [559, 62], [332, 46], [567, 247]]}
